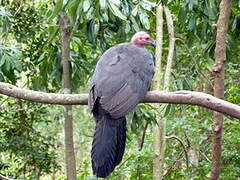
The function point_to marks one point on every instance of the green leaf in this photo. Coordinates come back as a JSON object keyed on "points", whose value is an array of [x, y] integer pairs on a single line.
{"points": [[116, 2], [187, 84], [125, 7], [44, 3], [144, 19], [192, 3], [167, 110], [127, 28], [2, 60], [103, 4], [115, 10], [192, 23], [135, 24], [52, 30], [79, 10], [17, 65], [58, 7], [7, 64], [86, 5], [105, 17], [1, 77], [135, 10], [182, 15], [91, 31], [147, 5], [90, 13]]}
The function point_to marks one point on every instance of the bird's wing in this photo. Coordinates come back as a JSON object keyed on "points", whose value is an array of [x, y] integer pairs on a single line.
{"points": [[121, 79]]}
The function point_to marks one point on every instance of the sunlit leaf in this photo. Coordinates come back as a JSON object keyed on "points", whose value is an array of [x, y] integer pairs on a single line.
{"points": [[1, 77], [144, 19], [127, 28], [135, 10], [135, 24], [44, 3], [147, 5], [192, 23], [2, 60], [86, 5], [7, 64], [167, 110], [115, 10], [56, 10], [103, 4], [90, 14], [182, 15], [116, 2]]}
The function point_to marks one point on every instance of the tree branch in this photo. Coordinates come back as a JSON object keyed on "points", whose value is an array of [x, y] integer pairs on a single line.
{"points": [[178, 97], [183, 146], [4, 178]]}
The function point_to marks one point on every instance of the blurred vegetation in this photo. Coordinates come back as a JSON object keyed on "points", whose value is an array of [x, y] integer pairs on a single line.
{"points": [[31, 135]]}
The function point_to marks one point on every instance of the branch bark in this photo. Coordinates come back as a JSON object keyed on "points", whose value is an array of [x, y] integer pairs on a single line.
{"points": [[4, 178], [179, 97]]}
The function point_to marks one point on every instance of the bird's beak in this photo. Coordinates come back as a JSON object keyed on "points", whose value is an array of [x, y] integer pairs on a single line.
{"points": [[153, 44]]}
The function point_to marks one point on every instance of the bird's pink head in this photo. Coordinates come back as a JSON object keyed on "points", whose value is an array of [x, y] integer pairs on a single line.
{"points": [[142, 39]]}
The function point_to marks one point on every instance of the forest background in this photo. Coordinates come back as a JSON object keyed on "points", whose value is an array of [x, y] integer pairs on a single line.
{"points": [[32, 134]]}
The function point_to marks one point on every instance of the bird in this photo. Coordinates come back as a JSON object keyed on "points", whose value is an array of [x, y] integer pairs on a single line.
{"points": [[120, 81]]}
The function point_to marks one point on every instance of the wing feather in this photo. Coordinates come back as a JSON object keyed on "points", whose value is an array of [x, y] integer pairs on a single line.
{"points": [[122, 78]]}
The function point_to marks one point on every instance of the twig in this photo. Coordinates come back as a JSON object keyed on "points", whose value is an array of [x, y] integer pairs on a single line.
{"points": [[143, 136], [171, 167], [183, 146]]}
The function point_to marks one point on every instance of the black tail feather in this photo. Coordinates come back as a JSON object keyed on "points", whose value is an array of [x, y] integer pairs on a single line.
{"points": [[108, 143], [121, 140]]}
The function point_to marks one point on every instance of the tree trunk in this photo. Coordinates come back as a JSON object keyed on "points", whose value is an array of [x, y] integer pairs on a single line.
{"points": [[156, 84], [218, 72], [68, 126], [163, 122], [159, 142], [53, 177], [141, 140]]}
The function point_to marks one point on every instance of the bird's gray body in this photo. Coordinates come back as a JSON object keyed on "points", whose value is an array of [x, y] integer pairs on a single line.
{"points": [[121, 80]]}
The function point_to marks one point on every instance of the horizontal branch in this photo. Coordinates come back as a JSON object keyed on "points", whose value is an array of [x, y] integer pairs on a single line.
{"points": [[4, 178], [178, 97]]}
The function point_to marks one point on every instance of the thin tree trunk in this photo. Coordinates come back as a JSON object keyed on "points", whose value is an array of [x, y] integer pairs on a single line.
{"points": [[218, 71], [163, 121], [141, 140], [53, 177], [156, 84], [68, 126]]}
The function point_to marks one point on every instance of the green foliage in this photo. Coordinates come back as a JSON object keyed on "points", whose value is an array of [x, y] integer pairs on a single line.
{"points": [[25, 150], [5, 21], [9, 63], [30, 52], [234, 95]]}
